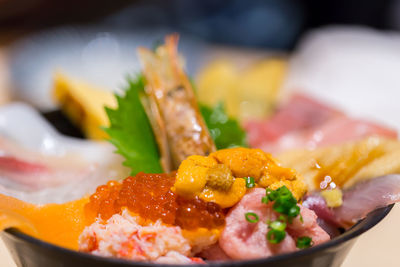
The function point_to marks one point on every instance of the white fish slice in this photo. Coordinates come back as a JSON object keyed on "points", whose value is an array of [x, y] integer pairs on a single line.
{"points": [[39, 165]]}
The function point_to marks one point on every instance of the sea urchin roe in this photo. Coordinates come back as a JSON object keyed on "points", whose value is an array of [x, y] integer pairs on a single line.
{"points": [[224, 176], [220, 177], [205, 178], [150, 196]]}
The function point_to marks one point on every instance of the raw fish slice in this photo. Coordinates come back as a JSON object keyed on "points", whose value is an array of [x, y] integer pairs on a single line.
{"points": [[39, 165], [326, 216], [349, 129], [373, 194], [358, 201], [25, 169], [345, 165], [328, 134], [305, 123], [317, 203], [243, 240], [299, 113]]}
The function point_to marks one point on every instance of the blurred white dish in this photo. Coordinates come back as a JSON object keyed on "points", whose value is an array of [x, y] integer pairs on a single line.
{"points": [[97, 55], [354, 68]]}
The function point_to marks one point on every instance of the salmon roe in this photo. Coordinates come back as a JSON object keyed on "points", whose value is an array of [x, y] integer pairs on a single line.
{"points": [[150, 196]]}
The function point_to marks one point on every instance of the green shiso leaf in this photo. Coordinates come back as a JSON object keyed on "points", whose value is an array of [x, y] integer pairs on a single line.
{"points": [[130, 131], [225, 131]]}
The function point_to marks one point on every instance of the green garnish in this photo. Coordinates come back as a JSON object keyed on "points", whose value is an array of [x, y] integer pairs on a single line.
{"points": [[271, 194], [285, 204], [130, 131], [265, 200], [250, 182], [226, 132], [251, 217], [304, 242], [277, 225], [275, 236], [294, 211]]}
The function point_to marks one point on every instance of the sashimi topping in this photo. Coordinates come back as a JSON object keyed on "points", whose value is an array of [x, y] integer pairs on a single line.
{"points": [[305, 123], [39, 165], [300, 112], [345, 165], [17, 165], [243, 240], [373, 194]]}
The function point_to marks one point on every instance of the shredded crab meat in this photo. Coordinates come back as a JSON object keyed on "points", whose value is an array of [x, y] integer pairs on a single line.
{"points": [[123, 237]]}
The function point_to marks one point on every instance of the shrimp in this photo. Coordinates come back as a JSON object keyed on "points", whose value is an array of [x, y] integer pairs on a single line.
{"points": [[171, 105]]}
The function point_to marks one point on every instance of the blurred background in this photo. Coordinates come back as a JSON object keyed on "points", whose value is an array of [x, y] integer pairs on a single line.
{"points": [[300, 44], [269, 23]]}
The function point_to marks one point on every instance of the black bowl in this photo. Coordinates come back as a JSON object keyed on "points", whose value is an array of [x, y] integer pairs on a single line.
{"points": [[31, 252]]}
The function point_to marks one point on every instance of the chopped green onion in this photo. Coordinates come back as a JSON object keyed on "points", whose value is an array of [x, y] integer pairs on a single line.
{"points": [[278, 225], [250, 182], [272, 195], [301, 219], [286, 205], [304, 242], [294, 211], [275, 236], [284, 191], [265, 200], [251, 217], [282, 218]]}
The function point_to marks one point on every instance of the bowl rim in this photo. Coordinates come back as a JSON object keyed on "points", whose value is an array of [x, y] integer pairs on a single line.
{"points": [[359, 228]]}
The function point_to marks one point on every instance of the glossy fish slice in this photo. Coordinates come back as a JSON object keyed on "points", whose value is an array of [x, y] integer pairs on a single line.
{"points": [[243, 240], [374, 193], [345, 165], [305, 123], [38, 165], [178, 125]]}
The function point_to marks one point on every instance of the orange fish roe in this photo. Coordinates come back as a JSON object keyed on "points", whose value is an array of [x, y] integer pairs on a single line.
{"points": [[102, 202], [150, 196]]}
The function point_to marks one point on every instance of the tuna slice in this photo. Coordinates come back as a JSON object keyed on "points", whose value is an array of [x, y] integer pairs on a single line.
{"points": [[243, 240], [305, 123], [300, 112], [373, 194]]}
